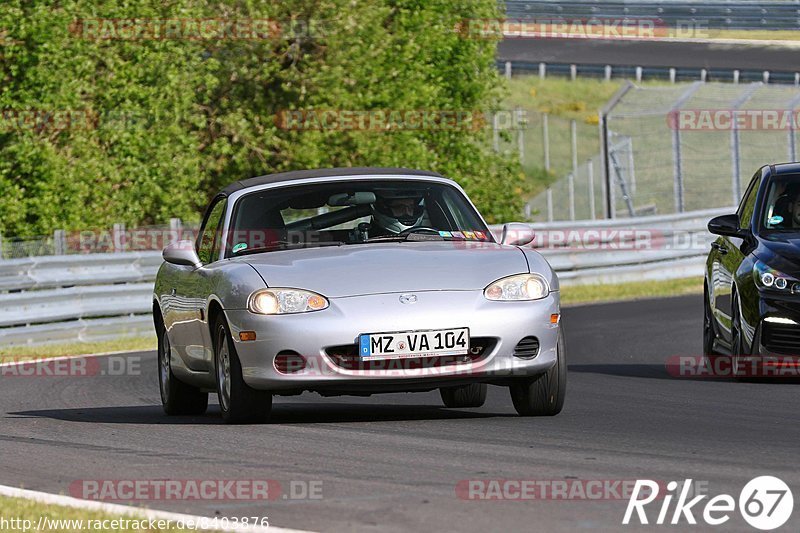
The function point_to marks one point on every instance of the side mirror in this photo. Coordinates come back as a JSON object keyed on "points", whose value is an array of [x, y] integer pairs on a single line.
{"points": [[181, 253], [517, 234], [726, 225]]}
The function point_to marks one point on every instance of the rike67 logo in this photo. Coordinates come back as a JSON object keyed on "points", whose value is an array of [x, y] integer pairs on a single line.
{"points": [[765, 503]]}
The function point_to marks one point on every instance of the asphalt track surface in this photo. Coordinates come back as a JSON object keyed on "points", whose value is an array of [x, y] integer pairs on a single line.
{"points": [[392, 462], [650, 54]]}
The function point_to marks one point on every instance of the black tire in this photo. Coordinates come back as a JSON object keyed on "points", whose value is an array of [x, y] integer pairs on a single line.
{"points": [[709, 333], [239, 403], [177, 397], [544, 394], [472, 395]]}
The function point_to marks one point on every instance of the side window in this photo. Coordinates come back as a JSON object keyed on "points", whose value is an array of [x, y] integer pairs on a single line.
{"points": [[210, 238], [748, 204]]}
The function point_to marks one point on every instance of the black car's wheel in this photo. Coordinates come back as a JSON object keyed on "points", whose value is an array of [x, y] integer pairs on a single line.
{"points": [[709, 334], [238, 402], [177, 397], [544, 394], [472, 395]]}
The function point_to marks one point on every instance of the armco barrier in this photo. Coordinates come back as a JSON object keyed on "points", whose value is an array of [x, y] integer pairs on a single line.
{"points": [[105, 296]]}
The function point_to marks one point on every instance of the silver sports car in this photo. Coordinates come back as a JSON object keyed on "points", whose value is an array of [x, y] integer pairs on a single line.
{"points": [[354, 281]]}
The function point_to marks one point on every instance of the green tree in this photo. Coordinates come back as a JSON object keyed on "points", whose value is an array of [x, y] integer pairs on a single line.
{"points": [[167, 122]]}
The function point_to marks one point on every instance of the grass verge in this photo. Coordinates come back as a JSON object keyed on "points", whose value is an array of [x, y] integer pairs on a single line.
{"points": [[15, 353], [25, 515], [584, 294]]}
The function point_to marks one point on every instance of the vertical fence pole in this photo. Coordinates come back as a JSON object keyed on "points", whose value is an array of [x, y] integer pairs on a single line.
{"points": [[677, 170], [118, 234], [590, 177], [546, 141], [508, 69], [571, 190], [520, 124], [542, 70], [672, 75], [549, 204], [736, 76], [175, 230], [59, 242], [638, 74], [573, 72], [631, 172], [608, 73], [2, 255]]}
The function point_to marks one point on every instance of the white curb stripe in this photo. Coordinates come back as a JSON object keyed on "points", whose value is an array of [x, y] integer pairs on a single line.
{"points": [[113, 508]]}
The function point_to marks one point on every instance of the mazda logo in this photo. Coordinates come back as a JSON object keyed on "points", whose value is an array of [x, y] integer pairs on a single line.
{"points": [[408, 298]]}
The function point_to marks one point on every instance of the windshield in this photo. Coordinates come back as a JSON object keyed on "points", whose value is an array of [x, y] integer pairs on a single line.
{"points": [[351, 212], [782, 206]]}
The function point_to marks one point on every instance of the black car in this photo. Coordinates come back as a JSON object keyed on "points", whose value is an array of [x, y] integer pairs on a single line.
{"points": [[752, 276]]}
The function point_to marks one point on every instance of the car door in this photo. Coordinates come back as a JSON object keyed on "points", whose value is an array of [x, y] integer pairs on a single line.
{"points": [[727, 255], [192, 287]]}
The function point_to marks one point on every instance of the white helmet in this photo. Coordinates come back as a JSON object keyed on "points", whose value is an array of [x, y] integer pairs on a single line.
{"points": [[386, 216]]}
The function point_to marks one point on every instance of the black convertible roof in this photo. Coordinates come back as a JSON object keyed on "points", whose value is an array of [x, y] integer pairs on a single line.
{"points": [[322, 173]]}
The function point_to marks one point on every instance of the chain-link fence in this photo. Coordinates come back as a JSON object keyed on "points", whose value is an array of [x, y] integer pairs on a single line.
{"points": [[677, 148]]}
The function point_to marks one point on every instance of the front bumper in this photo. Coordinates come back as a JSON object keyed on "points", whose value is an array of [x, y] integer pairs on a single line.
{"points": [[312, 334]]}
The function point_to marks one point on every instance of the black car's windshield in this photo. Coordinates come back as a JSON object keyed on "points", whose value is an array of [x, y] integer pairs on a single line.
{"points": [[782, 205], [351, 212]]}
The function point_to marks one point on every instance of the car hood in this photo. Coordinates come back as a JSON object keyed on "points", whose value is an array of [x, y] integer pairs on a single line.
{"points": [[352, 270], [780, 251]]}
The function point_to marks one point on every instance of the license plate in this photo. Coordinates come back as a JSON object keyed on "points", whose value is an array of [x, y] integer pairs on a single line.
{"points": [[414, 344]]}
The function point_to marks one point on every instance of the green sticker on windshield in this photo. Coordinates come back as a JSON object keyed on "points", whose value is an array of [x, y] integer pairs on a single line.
{"points": [[240, 246]]}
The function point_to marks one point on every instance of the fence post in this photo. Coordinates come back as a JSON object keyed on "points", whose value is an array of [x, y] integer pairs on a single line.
{"points": [[672, 75], [638, 74], [59, 242], [118, 233], [542, 70], [766, 76], [508, 69], [571, 190], [590, 177], [631, 172], [736, 76], [703, 75], [546, 141], [175, 230], [573, 130], [2, 255], [520, 125], [608, 73], [549, 204], [573, 72]]}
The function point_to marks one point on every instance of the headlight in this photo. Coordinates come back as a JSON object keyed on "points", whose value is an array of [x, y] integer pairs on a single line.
{"points": [[768, 278], [285, 301], [519, 287]]}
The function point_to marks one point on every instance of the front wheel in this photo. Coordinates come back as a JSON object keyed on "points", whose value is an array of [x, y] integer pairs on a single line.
{"points": [[472, 395], [544, 394], [238, 402], [177, 397]]}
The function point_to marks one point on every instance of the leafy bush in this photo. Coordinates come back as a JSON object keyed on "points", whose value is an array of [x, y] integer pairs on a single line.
{"points": [[159, 125]]}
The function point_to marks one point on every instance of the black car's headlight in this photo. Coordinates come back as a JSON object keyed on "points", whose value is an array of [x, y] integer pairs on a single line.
{"points": [[768, 278], [518, 287], [285, 301]]}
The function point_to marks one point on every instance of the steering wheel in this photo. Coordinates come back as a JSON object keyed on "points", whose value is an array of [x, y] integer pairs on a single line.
{"points": [[417, 229]]}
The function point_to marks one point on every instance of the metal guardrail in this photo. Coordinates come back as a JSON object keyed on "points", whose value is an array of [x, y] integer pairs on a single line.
{"points": [[105, 296], [738, 14]]}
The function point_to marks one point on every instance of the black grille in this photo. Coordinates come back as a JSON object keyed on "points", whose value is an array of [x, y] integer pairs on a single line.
{"points": [[346, 356], [782, 338], [527, 348]]}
